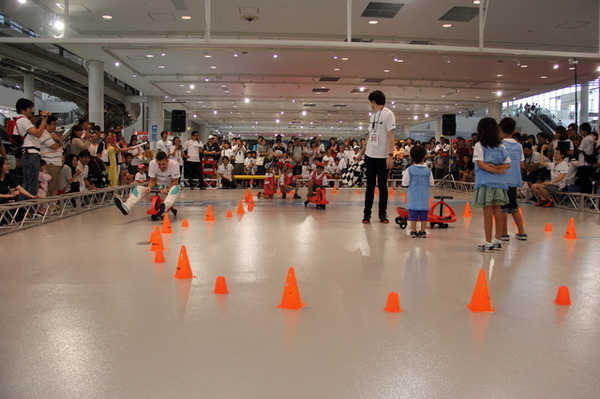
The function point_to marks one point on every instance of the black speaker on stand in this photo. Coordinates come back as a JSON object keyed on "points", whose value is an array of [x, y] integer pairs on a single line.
{"points": [[449, 124], [178, 122]]}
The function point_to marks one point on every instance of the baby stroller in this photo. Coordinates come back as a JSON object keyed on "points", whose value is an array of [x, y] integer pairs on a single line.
{"points": [[444, 215]]}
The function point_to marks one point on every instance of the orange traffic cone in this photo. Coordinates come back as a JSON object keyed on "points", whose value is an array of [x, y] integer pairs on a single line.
{"points": [[358, 191], [210, 217], [251, 207], [248, 195], [571, 233], [221, 286], [184, 269], [467, 211], [334, 190], [229, 213], [391, 192], [403, 194], [240, 209], [480, 301], [393, 303], [166, 227], [250, 201], [156, 243], [376, 191], [548, 228], [430, 202], [185, 224], [156, 230], [159, 257], [291, 294], [562, 296]]}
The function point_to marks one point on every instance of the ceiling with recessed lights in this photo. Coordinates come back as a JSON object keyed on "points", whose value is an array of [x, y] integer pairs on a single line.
{"points": [[429, 57]]}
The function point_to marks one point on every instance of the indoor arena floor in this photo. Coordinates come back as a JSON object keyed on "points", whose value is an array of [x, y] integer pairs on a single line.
{"points": [[86, 313]]}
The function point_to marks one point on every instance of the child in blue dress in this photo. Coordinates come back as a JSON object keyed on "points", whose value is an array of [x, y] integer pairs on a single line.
{"points": [[418, 178], [491, 160]]}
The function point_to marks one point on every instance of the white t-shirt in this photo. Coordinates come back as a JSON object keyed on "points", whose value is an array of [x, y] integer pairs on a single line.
{"points": [[586, 146], [23, 125], [82, 176], [558, 169], [381, 123], [225, 171], [52, 157], [227, 153], [139, 176], [164, 146], [240, 153], [193, 150], [533, 158], [163, 178]]}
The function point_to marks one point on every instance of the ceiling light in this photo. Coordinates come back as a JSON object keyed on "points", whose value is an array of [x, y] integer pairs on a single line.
{"points": [[499, 75], [543, 77], [426, 115], [447, 26], [335, 57], [303, 113], [524, 65], [107, 16], [571, 68], [345, 58], [162, 66], [556, 66], [192, 86], [186, 17], [373, 22], [336, 69], [477, 97], [149, 55], [499, 93], [235, 54], [276, 120], [246, 100], [362, 88], [386, 70], [181, 85], [188, 91], [213, 67], [476, 1], [195, 115], [396, 59], [275, 56], [415, 117], [206, 79], [22, 1], [598, 69], [135, 76], [117, 63], [215, 112], [206, 55], [59, 25]]}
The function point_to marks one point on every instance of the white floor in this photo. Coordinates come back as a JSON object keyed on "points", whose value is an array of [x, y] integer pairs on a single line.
{"points": [[87, 314]]}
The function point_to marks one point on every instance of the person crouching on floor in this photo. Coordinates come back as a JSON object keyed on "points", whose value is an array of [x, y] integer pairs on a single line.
{"points": [[318, 179], [288, 182], [270, 184]]}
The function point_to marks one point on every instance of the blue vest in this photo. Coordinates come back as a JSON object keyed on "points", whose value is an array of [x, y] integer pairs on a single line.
{"points": [[515, 152], [418, 189], [494, 156]]}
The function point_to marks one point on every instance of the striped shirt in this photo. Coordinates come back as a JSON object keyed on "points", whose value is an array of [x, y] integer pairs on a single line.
{"points": [[52, 157]]}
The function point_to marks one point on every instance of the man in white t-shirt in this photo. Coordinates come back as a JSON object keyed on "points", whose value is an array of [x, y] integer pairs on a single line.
{"points": [[378, 153], [558, 178], [30, 159], [164, 144], [225, 172], [587, 157], [164, 176], [192, 149]]}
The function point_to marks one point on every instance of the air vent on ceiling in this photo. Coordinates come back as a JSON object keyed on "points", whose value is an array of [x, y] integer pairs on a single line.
{"points": [[381, 10], [359, 91], [178, 4], [373, 80], [572, 24], [339, 105], [295, 121], [162, 17], [320, 90], [137, 57], [360, 40], [309, 105], [328, 79], [419, 42], [460, 14]]}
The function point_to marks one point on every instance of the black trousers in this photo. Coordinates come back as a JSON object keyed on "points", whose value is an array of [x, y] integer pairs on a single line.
{"points": [[193, 171], [376, 175]]}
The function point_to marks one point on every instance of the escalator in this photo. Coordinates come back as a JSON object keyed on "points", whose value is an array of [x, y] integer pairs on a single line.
{"points": [[543, 119]]}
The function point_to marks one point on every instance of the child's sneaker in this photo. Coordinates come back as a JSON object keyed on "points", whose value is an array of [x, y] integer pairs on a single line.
{"points": [[283, 196], [422, 234], [497, 244], [296, 196], [522, 237], [259, 195], [542, 203], [122, 207], [549, 204], [161, 210], [486, 247], [414, 234], [505, 237]]}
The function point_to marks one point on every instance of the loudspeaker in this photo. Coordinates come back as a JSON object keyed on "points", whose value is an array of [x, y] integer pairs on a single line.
{"points": [[449, 125], [178, 123]]}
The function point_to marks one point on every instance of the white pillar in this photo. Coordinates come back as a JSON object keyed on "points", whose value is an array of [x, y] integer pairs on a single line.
{"points": [[584, 103], [156, 119], [29, 87], [96, 92], [495, 110], [438, 128]]}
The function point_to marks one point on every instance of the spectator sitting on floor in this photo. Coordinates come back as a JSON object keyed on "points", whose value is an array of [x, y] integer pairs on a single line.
{"points": [[225, 173]]}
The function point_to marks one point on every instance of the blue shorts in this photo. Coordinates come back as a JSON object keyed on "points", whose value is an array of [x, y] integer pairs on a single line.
{"points": [[414, 216]]}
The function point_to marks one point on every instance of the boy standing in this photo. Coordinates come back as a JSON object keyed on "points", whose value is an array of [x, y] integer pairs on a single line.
{"points": [[513, 176], [418, 178]]}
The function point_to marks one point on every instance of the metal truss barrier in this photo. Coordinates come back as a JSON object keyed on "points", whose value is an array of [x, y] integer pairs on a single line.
{"points": [[29, 213], [572, 201]]}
